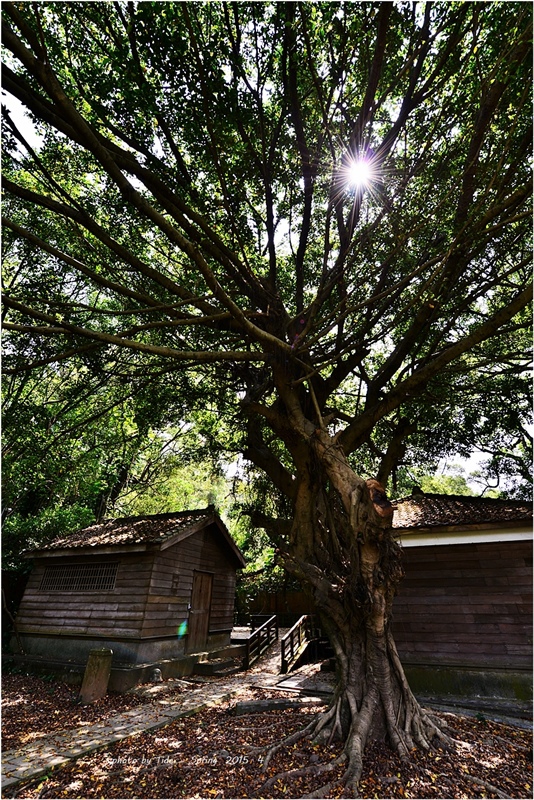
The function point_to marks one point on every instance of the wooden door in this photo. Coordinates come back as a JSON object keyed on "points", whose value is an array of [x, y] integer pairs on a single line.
{"points": [[199, 613]]}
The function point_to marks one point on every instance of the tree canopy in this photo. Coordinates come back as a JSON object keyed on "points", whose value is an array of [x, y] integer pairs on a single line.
{"points": [[220, 188]]}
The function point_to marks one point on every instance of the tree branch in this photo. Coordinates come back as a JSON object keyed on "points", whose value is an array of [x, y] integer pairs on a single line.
{"points": [[357, 431], [108, 338], [291, 68]]}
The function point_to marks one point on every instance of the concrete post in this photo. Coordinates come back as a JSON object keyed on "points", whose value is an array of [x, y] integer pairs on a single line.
{"points": [[96, 677]]}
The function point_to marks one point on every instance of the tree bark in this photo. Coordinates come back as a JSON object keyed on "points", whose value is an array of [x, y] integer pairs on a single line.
{"points": [[342, 547]]}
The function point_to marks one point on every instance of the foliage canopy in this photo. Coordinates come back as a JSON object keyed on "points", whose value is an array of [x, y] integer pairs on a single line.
{"points": [[189, 225]]}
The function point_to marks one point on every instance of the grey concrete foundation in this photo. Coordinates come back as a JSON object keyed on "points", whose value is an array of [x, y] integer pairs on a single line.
{"points": [[469, 682], [125, 650], [123, 676]]}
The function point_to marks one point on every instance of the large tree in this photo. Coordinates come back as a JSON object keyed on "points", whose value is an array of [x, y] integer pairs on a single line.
{"points": [[315, 215]]}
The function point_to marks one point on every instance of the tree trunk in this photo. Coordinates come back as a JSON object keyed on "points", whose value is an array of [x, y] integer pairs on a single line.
{"points": [[343, 548]]}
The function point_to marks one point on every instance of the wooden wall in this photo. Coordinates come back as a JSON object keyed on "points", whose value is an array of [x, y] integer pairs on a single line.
{"points": [[463, 605], [151, 594], [466, 604], [172, 582], [117, 613], [284, 603]]}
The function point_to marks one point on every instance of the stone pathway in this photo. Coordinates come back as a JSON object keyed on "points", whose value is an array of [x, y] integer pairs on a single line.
{"points": [[36, 758]]}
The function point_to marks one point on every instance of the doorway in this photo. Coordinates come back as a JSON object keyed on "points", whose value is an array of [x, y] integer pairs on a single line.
{"points": [[199, 613]]}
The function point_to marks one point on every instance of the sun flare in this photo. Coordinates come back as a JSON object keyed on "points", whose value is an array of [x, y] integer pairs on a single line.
{"points": [[360, 173]]}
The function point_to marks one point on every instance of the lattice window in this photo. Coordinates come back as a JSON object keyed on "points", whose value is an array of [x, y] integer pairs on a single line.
{"points": [[80, 578]]}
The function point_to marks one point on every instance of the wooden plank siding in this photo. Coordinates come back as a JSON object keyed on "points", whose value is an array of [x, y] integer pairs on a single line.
{"points": [[119, 612], [149, 599], [141, 617], [171, 584], [460, 605], [466, 604]]}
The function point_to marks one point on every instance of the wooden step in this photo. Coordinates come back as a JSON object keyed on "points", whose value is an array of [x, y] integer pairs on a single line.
{"points": [[225, 673]]}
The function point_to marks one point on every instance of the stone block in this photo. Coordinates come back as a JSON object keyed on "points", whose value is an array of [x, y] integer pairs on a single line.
{"points": [[96, 676], [274, 704]]}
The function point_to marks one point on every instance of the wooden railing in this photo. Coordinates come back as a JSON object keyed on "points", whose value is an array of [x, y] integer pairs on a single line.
{"points": [[259, 640], [295, 641], [257, 620]]}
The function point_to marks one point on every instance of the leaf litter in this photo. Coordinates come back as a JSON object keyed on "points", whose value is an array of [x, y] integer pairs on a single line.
{"points": [[215, 754]]}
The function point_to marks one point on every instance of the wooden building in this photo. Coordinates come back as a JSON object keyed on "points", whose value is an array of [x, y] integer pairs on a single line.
{"points": [[150, 588], [465, 604], [462, 619]]}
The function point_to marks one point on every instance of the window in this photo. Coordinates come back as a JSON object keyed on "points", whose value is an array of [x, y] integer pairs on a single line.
{"points": [[80, 578]]}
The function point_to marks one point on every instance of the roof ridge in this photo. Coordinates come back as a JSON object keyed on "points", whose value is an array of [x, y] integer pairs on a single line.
{"points": [[164, 515], [440, 495], [438, 510], [131, 530]]}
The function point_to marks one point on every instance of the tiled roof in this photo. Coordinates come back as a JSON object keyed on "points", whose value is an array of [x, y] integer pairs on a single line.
{"points": [[416, 511], [131, 530], [432, 510]]}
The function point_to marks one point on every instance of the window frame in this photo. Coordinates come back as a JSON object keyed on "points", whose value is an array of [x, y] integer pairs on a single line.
{"points": [[81, 578]]}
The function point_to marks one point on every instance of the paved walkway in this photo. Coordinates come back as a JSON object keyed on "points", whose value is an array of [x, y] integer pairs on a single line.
{"points": [[36, 758]]}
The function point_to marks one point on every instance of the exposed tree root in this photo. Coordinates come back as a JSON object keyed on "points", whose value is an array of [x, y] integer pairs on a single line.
{"points": [[292, 774], [407, 725], [378, 702], [420, 726], [510, 742], [261, 728], [295, 737], [489, 786]]}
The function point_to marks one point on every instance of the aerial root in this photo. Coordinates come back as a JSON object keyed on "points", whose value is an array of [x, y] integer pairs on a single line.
{"points": [[419, 723], [351, 777], [324, 732], [327, 725], [295, 737], [421, 729], [322, 791], [436, 719], [408, 725], [420, 726], [435, 730], [336, 727], [355, 743], [353, 754], [325, 718], [255, 750]]}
